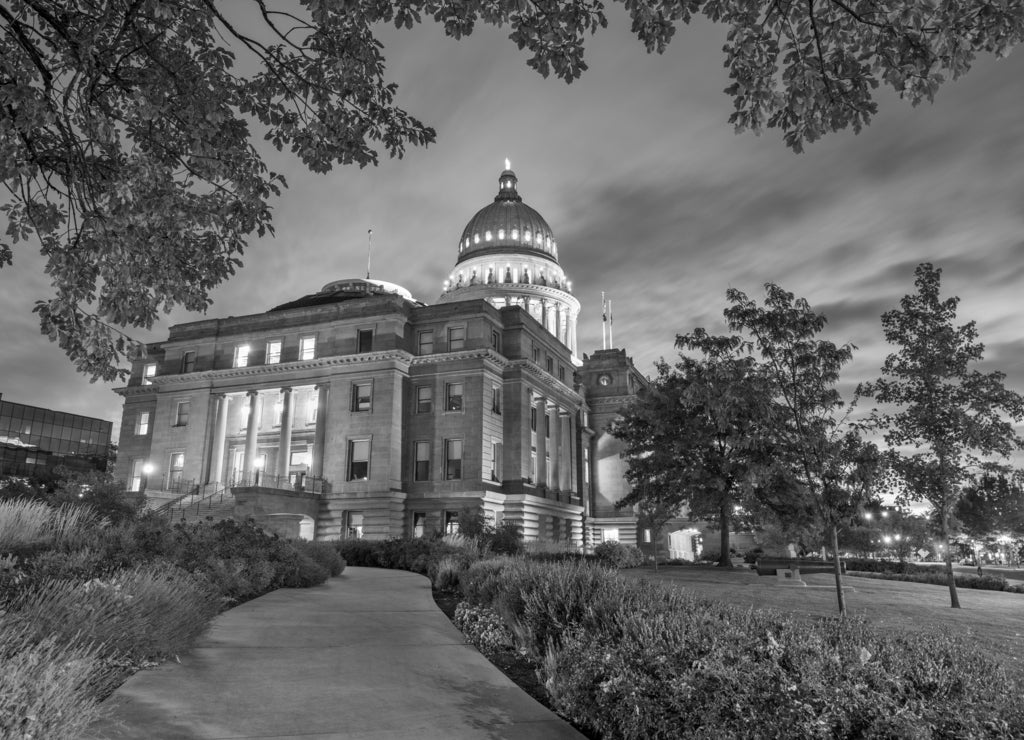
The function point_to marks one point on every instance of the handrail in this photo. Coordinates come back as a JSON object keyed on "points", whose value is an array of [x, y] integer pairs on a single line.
{"points": [[308, 484]]}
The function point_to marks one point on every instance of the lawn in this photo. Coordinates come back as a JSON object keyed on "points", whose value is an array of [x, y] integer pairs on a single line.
{"points": [[993, 619]]}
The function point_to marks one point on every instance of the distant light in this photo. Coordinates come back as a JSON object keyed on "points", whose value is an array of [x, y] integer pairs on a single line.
{"points": [[508, 165], [147, 468]]}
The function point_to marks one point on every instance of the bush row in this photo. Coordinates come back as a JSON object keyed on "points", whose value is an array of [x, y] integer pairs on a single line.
{"points": [[938, 578], [633, 659], [83, 603]]}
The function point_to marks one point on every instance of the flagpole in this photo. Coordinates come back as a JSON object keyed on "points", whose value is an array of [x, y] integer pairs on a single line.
{"points": [[369, 248], [604, 325], [611, 324]]}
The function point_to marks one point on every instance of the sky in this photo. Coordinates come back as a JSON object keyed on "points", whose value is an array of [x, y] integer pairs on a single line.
{"points": [[651, 195]]}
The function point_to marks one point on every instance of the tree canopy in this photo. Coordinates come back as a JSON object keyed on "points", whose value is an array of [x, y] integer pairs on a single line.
{"points": [[127, 126], [945, 420]]}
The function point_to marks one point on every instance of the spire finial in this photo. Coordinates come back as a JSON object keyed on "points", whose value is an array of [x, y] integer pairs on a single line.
{"points": [[508, 165]]}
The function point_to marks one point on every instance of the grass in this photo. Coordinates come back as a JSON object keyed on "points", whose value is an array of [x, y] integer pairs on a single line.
{"points": [[992, 619]]}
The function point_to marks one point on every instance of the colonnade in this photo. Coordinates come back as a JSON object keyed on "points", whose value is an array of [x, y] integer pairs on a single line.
{"points": [[251, 448], [560, 455]]}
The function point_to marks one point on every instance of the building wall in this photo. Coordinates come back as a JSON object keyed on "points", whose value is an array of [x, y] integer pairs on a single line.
{"points": [[35, 440]]}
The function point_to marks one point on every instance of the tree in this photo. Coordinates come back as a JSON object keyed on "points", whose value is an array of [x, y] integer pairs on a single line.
{"points": [[818, 462], [126, 126], [691, 438], [990, 505], [947, 418]]}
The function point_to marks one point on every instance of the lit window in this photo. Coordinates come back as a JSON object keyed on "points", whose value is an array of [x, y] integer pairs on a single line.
{"points": [[241, 356], [301, 457], [353, 525], [361, 393], [176, 469], [456, 338], [586, 465], [515, 233], [148, 373], [476, 238], [181, 414], [188, 362], [307, 348], [453, 397], [451, 522], [311, 406], [526, 236], [547, 242], [142, 423], [419, 523], [467, 241], [358, 459], [424, 399], [501, 233], [487, 236], [453, 459], [422, 471], [496, 453], [273, 351], [364, 340], [496, 400], [426, 342]]}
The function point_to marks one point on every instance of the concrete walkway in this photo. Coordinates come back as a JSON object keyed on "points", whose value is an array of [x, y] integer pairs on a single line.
{"points": [[367, 655]]}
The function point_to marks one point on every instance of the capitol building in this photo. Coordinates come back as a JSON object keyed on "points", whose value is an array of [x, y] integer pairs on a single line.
{"points": [[359, 411]]}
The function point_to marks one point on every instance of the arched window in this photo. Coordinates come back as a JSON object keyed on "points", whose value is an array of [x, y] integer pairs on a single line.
{"points": [[501, 233], [487, 236], [476, 238], [526, 237], [515, 233]]}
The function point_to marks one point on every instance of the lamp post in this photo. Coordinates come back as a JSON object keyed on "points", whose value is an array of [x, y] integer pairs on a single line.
{"points": [[147, 468]]}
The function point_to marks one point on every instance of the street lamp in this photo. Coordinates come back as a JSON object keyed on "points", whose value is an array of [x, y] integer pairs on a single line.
{"points": [[257, 464], [147, 468]]}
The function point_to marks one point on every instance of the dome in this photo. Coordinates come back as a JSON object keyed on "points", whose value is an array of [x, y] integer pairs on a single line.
{"points": [[507, 226]]}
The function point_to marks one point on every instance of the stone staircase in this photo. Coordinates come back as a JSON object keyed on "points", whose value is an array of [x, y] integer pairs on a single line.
{"points": [[210, 504]]}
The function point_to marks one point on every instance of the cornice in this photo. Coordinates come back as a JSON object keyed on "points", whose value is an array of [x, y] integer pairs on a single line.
{"points": [[544, 379], [465, 354]]}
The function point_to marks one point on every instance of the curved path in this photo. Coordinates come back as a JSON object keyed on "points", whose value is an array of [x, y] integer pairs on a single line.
{"points": [[367, 655]]}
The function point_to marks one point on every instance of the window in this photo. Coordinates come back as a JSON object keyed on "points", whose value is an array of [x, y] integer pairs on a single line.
{"points": [[533, 466], [586, 465], [536, 355], [241, 356], [453, 459], [353, 525], [496, 400], [496, 455], [422, 471], [561, 373], [496, 341], [451, 522], [135, 482], [547, 469], [533, 418], [176, 469], [188, 362], [424, 399], [453, 397], [142, 423], [307, 348], [313, 400], [547, 426], [181, 413], [419, 523], [301, 457], [550, 364], [364, 340], [274, 351], [456, 338], [361, 394], [426, 342], [358, 459], [647, 535], [611, 534], [148, 373]]}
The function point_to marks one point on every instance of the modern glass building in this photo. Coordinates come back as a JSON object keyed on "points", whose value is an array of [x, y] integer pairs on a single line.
{"points": [[35, 440]]}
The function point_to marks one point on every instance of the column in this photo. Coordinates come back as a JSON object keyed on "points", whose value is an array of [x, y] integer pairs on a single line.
{"points": [[556, 448], [251, 430], [558, 322], [571, 433], [542, 442], [220, 431], [320, 436], [284, 444]]}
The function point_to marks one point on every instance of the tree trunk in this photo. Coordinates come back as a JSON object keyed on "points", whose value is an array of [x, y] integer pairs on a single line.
{"points": [[954, 600], [655, 534], [724, 558], [840, 596]]}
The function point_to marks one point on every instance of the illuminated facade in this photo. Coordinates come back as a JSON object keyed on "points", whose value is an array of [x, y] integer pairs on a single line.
{"points": [[360, 411]]}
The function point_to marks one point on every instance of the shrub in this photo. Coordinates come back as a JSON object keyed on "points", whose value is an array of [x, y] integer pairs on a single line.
{"points": [[937, 577], [483, 627], [360, 553], [506, 539], [617, 555], [25, 525], [641, 660], [750, 556], [323, 553], [480, 582], [446, 574], [298, 570], [869, 565], [47, 688], [152, 611]]}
